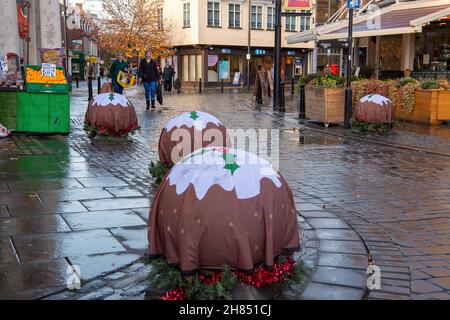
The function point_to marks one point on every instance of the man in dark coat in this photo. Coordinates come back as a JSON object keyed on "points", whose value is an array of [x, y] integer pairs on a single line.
{"points": [[168, 76], [149, 75]]}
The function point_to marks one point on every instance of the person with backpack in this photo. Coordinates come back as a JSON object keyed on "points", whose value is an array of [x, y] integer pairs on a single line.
{"points": [[149, 76]]}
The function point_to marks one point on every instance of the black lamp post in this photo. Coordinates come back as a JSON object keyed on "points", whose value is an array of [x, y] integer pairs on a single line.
{"points": [[348, 89]]}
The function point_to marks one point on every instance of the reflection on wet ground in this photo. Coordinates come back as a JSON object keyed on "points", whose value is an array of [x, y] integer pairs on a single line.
{"points": [[66, 200]]}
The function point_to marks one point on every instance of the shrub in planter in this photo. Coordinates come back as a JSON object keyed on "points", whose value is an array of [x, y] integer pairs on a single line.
{"points": [[430, 85]]}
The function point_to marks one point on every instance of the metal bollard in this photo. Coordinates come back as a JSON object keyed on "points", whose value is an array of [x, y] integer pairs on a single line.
{"points": [[178, 82], [221, 85], [200, 86], [302, 101], [282, 97], [292, 86], [99, 84], [91, 94], [78, 82]]}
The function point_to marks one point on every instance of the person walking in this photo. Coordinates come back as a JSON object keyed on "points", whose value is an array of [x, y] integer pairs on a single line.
{"points": [[150, 76], [118, 65], [168, 75]]}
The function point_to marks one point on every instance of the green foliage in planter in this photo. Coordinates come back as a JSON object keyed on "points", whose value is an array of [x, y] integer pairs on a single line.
{"points": [[430, 85], [365, 87], [364, 127], [308, 78], [329, 81], [407, 97], [164, 276], [158, 170], [408, 80]]}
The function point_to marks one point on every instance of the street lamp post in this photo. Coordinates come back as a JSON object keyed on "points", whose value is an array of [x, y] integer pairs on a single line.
{"points": [[351, 4], [249, 43], [277, 56]]}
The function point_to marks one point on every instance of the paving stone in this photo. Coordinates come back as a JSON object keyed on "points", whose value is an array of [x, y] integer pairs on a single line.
{"points": [[318, 291], [46, 208], [328, 223], [94, 266], [4, 213], [422, 286], [343, 260], [301, 207], [111, 204], [337, 234], [437, 272], [431, 296], [317, 214], [15, 198], [66, 244], [340, 276], [75, 194], [132, 238], [103, 219], [98, 295], [143, 213], [122, 192], [336, 246], [101, 182], [7, 254], [45, 184], [48, 274], [32, 225], [443, 282], [386, 296]]}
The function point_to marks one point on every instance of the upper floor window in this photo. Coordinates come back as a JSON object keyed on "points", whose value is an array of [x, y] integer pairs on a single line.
{"points": [[290, 22], [305, 22], [234, 15], [270, 18], [256, 17], [186, 15], [213, 14]]}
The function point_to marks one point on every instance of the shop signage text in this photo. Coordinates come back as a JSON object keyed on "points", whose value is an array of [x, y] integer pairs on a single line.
{"points": [[226, 51], [353, 4], [49, 70], [260, 52], [291, 53], [298, 4]]}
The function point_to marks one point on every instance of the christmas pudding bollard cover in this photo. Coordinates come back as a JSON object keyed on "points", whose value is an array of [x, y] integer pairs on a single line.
{"points": [[222, 207], [375, 108], [199, 129], [111, 114]]}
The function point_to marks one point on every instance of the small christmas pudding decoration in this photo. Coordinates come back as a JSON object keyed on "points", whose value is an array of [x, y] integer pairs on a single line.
{"points": [[111, 114], [222, 207], [374, 108], [190, 131]]}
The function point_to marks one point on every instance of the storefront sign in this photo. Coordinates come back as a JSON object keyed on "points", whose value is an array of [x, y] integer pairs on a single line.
{"points": [[226, 51], [224, 67], [298, 4], [212, 60], [48, 70], [291, 53], [52, 56], [298, 61], [249, 56], [237, 76], [260, 52], [353, 4], [77, 45], [93, 59]]}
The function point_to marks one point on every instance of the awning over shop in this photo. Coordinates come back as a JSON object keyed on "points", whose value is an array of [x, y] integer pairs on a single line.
{"points": [[399, 18]]}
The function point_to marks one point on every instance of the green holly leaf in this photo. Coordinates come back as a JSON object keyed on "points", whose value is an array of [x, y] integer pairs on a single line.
{"points": [[194, 116], [230, 162], [111, 97]]}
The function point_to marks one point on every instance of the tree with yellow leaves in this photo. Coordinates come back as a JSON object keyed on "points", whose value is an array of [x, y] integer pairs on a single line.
{"points": [[134, 26]]}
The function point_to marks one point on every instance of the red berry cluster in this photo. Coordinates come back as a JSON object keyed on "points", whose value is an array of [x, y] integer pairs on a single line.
{"points": [[174, 295]]}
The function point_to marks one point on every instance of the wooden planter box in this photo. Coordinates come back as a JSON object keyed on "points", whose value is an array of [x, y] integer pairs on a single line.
{"points": [[325, 105], [432, 107]]}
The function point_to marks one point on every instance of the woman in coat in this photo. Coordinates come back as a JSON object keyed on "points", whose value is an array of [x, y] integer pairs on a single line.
{"points": [[118, 65], [149, 75]]}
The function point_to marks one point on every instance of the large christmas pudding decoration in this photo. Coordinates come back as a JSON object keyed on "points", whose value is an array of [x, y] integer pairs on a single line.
{"points": [[188, 132], [222, 207], [374, 108], [111, 114]]}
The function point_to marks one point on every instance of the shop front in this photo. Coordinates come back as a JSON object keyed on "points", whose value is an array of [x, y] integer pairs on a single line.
{"points": [[78, 65], [226, 64]]}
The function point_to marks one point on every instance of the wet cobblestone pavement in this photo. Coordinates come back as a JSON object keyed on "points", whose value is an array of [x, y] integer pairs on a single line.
{"points": [[67, 201]]}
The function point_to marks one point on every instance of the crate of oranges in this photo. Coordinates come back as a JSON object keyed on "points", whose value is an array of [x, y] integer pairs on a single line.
{"points": [[36, 82]]}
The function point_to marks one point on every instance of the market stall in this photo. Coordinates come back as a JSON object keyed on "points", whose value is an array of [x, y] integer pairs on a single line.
{"points": [[42, 105]]}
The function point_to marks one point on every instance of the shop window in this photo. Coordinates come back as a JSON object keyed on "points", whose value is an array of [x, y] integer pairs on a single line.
{"points": [[186, 15], [270, 18], [256, 17], [213, 14], [192, 67], [391, 53], [290, 22], [234, 15]]}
